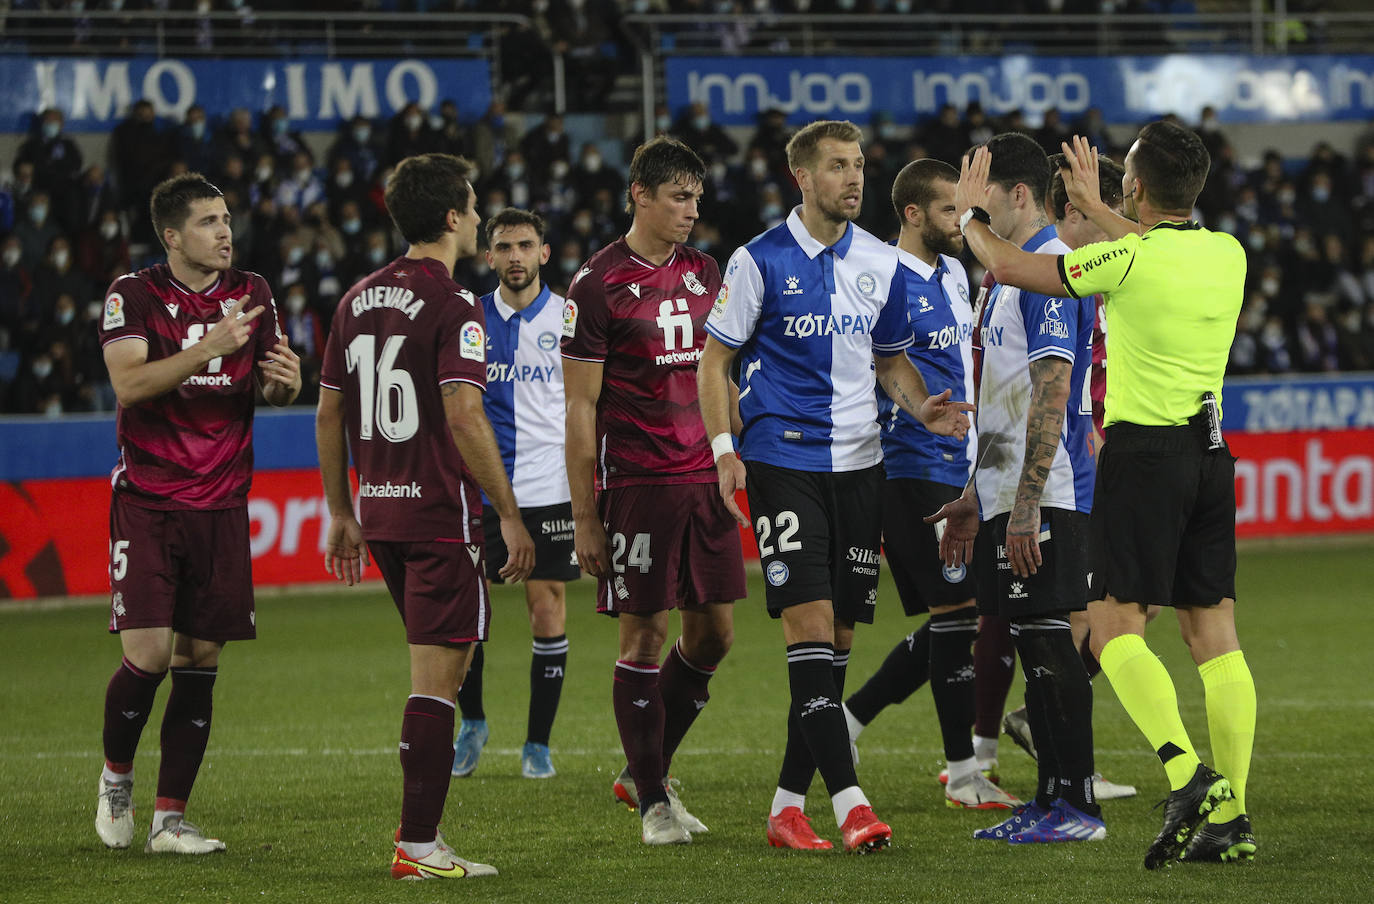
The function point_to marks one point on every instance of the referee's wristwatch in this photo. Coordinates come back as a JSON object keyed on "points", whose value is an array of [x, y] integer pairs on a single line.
{"points": [[974, 213]]}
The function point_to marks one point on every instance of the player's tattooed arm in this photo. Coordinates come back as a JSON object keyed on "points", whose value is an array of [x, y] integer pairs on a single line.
{"points": [[904, 384], [1049, 398]]}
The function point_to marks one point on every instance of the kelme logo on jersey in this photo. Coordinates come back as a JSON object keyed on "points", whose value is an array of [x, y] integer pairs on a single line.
{"points": [[777, 573], [804, 326], [866, 283], [569, 319], [472, 342], [689, 279], [114, 312], [793, 284]]}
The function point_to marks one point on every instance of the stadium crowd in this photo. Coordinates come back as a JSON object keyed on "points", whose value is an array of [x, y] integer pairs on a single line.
{"points": [[313, 225]]}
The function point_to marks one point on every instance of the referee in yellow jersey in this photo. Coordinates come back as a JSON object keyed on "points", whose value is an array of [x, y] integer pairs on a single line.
{"points": [[1164, 508]]}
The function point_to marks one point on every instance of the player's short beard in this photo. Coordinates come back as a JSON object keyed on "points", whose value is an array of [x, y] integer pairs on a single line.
{"points": [[530, 277], [941, 242], [837, 214]]}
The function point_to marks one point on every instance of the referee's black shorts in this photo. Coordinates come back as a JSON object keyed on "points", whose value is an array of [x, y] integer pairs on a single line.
{"points": [[818, 534], [912, 550], [1061, 582], [1164, 517]]}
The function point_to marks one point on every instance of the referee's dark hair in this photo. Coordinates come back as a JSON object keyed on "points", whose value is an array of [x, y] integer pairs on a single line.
{"points": [[1109, 175], [1172, 163], [172, 199], [915, 184], [1018, 160], [661, 161], [510, 217], [421, 192]]}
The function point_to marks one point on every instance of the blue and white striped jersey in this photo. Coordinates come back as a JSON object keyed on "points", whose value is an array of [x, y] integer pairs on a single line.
{"points": [[938, 308], [524, 400], [1020, 327], [807, 319]]}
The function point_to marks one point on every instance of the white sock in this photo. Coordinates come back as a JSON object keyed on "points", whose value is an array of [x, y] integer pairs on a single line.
{"points": [[418, 850], [784, 799], [160, 815], [962, 769], [985, 749], [846, 800], [116, 777], [854, 725]]}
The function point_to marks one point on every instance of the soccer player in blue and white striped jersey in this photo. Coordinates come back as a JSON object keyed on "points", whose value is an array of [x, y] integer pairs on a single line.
{"points": [[524, 402], [815, 310]]}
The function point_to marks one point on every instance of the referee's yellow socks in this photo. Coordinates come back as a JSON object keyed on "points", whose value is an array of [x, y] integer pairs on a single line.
{"points": [[1144, 687], [1231, 722]]}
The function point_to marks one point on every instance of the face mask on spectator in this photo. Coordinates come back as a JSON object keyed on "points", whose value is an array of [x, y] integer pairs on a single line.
{"points": [[592, 162], [324, 260], [362, 134], [568, 265], [41, 368], [413, 122], [108, 230], [38, 213], [11, 257], [351, 226], [61, 258], [279, 126], [701, 123], [515, 170], [1226, 223], [263, 173], [771, 212], [197, 130], [376, 255], [1255, 240], [51, 130], [93, 310], [66, 316], [1287, 196], [436, 121], [295, 303], [53, 408], [1321, 194], [901, 6], [294, 256], [559, 169], [1269, 286], [758, 167], [344, 179], [663, 123]]}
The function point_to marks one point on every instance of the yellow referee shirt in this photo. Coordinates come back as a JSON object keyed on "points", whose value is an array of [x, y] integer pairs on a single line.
{"points": [[1172, 297]]}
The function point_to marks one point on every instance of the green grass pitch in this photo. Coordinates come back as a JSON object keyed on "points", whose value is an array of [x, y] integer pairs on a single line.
{"points": [[303, 783]]}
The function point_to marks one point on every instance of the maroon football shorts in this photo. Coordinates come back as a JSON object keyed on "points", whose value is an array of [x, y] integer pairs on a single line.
{"points": [[188, 569], [437, 587], [671, 547]]}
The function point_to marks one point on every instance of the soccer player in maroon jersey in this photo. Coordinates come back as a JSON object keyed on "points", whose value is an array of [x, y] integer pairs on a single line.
{"points": [[184, 343], [401, 386], [650, 524]]}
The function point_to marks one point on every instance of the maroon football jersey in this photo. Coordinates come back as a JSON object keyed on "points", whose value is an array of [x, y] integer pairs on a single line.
{"points": [[191, 448], [397, 337], [646, 325]]}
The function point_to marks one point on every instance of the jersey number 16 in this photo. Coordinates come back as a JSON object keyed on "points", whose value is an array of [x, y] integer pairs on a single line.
{"points": [[386, 392]]}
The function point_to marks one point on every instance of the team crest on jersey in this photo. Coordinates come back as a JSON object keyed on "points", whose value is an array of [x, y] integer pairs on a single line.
{"points": [[963, 293], [866, 283], [472, 342], [548, 341], [956, 574], [689, 279], [777, 573], [569, 319], [114, 312]]}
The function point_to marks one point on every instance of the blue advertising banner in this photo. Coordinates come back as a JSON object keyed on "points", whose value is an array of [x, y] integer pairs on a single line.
{"points": [[1298, 404], [1127, 89], [316, 93]]}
